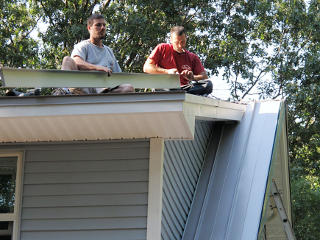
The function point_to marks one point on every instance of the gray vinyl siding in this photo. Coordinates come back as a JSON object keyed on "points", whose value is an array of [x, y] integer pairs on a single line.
{"points": [[183, 160], [86, 191]]}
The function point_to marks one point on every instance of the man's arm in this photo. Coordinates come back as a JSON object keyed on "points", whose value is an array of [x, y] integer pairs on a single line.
{"points": [[201, 76], [151, 67], [83, 65]]}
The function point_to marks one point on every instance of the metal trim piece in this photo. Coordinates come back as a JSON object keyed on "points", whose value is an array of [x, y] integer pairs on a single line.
{"points": [[30, 78]]}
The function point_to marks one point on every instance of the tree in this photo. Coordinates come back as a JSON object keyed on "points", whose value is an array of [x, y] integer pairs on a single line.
{"points": [[306, 202], [66, 22], [264, 48], [18, 49]]}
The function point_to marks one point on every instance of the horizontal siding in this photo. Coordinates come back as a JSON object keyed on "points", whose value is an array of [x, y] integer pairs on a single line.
{"points": [[93, 191], [84, 212], [127, 234], [85, 166], [85, 200], [182, 165], [86, 177], [139, 151], [84, 188], [80, 224]]}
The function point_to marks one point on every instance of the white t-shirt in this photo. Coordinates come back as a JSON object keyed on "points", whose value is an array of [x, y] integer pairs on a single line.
{"points": [[102, 56]]}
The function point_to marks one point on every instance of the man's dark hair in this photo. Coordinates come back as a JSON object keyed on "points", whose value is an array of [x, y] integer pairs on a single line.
{"points": [[93, 17], [179, 30]]}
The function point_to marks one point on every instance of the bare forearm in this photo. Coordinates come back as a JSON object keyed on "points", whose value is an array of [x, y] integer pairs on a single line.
{"points": [[201, 76], [153, 69], [83, 65]]}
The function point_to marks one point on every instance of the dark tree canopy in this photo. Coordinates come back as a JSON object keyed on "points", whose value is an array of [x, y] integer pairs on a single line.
{"points": [[260, 48]]}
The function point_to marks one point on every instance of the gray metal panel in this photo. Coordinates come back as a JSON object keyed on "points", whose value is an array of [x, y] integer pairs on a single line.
{"points": [[202, 185], [253, 176], [233, 197], [182, 165], [85, 191], [28, 78]]}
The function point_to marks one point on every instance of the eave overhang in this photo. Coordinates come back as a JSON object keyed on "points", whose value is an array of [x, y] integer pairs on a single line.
{"points": [[168, 115]]}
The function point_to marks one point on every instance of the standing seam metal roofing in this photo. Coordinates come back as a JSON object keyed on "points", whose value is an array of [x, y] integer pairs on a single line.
{"points": [[234, 196]]}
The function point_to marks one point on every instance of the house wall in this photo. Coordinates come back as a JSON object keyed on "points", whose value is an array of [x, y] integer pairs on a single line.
{"points": [[85, 191], [183, 160], [279, 172]]}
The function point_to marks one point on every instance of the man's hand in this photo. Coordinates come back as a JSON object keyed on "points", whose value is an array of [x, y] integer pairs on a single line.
{"points": [[104, 69], [83, 65], [187, 75], [172, 71]]}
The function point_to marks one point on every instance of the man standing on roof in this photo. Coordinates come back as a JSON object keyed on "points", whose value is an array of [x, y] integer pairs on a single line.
{"points": [[92, 54], [175, 59]]}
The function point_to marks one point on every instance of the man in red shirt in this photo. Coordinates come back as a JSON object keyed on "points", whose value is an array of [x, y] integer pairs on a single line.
{"points": [[175, 59]]}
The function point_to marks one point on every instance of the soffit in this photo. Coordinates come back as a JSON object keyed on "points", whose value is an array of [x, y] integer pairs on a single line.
{"points": [[169, 115]]}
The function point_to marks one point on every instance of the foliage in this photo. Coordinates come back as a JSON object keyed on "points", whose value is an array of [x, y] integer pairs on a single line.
{"points": [[136, 27], [17, 48], [306, 200], [66, 26], [7, 188], [259, 47], [302, 71]]}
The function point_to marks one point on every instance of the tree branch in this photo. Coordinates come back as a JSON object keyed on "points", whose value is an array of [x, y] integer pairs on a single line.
{"points": [[235, 87], [47, 12], [253, 84], [106, 4]]}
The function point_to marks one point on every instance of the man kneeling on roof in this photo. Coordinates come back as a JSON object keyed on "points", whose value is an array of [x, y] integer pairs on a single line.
{"points": [[175, 59], [92, 54]]}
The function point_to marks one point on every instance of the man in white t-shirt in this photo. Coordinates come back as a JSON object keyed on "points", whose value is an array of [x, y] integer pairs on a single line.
{"points": [[92, 54]]}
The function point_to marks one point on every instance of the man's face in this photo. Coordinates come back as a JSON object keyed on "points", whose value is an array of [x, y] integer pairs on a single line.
{"points": [[98, 29], [178, 42]]}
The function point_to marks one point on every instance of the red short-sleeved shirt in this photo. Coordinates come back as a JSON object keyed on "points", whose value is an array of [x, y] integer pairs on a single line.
{"points": [[165, 57]]}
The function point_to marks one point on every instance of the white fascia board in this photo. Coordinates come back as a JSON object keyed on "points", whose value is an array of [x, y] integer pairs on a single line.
{"points": [[89, 109], [215, 102], [200, 108]]}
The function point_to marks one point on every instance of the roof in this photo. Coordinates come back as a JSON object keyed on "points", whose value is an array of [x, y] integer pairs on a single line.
{"points": [[231, 195], [169, 115]]}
